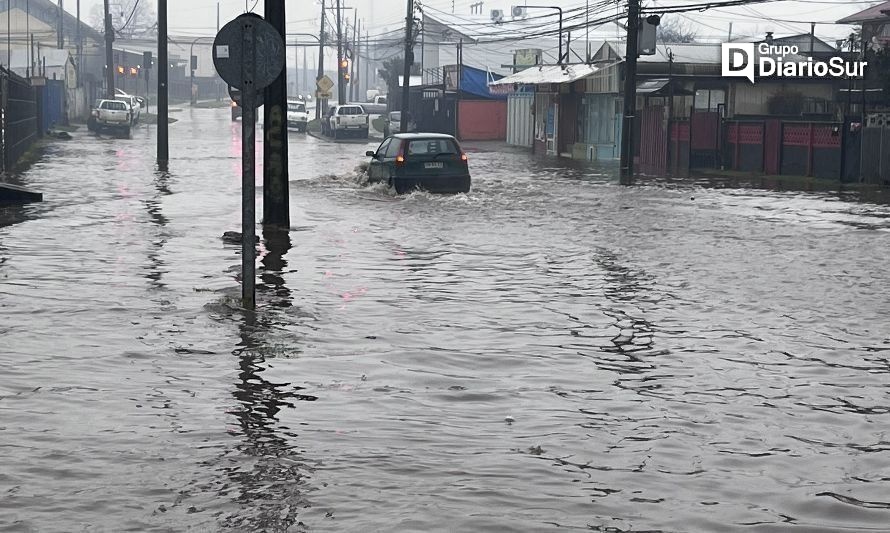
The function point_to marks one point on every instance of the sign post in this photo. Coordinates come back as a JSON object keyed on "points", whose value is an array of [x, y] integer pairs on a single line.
{"points": [[248, 54]]}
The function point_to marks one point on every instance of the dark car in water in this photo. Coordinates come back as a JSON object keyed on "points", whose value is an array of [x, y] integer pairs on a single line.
{"points": [[430, 161]]}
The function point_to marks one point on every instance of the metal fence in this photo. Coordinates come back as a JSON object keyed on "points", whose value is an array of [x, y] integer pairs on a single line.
{"points": [[18, 117]]}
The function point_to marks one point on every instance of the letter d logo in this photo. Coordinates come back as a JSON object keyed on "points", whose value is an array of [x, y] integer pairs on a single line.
{"points": [[738, 60]]}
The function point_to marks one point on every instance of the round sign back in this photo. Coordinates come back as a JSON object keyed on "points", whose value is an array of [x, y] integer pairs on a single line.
{"points": [[229, 49]]}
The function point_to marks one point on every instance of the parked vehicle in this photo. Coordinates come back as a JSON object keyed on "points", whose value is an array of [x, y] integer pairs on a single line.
{"points": [[114, 115], [430, 161], [92, 124], [297, 117], [348, 119], [134, 105], [376, 105], [393, 124]]}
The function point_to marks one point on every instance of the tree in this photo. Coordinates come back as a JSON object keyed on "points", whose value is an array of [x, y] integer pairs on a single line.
{"points": [[130, 18], [672, 30]]}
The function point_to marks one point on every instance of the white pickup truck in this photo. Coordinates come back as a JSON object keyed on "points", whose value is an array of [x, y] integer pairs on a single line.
{"points": [[349, 119], [113, 114], [297, 117]]}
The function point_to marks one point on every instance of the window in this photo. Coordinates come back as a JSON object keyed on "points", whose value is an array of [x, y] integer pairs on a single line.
{"points": [[114, 106], [295, 107], [709, 99], [351, 110], [393, 149], [381, 151], [431, 147]]}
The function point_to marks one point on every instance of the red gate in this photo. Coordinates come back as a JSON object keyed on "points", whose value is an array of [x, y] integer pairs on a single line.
{"points": [[653, 141]]}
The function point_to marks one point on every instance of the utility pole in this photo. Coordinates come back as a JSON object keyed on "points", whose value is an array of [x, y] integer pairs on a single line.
{"points": [[341, 87], [630, 92], [356, 57], [409, 59], [109, 54], [304, 77], [276, 209], [352, 95], [163, 71], [79, 48], [61, 25], [321, 42]]}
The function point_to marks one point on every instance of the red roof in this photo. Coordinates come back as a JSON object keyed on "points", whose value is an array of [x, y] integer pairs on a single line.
{"points": [[870, 14]]}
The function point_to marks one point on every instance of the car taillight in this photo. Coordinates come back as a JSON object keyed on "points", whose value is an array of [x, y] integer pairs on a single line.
{"points": [[234, 104], [400, 159], [463, 157]]}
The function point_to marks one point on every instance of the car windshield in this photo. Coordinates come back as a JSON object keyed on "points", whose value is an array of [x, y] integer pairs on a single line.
{"points": [[295, 107], [115, 106], [395, 116], [431, 147]]}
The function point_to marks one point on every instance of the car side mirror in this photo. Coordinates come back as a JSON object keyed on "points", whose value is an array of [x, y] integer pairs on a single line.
{"points": [[371, 154]]}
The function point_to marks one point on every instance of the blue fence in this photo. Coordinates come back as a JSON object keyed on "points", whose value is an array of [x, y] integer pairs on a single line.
{"points": [[52, 104]]}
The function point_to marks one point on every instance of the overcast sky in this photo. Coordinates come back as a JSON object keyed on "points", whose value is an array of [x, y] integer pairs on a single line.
{"points": [[198, 17]]}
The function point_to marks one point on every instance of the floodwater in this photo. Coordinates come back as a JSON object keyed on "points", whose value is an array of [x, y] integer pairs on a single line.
{"points": [[552, 351]]}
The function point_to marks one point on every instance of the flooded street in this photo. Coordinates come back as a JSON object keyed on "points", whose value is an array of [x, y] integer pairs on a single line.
{"points": [[550, 351]]}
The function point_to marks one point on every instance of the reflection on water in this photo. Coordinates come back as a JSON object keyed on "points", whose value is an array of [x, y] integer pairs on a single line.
{"points": [[267, 472], [548, 351]]}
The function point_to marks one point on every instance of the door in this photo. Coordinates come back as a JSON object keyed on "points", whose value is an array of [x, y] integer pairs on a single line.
{"points": [[377, 170]]}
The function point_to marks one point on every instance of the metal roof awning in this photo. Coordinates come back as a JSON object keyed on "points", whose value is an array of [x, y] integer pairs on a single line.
{"points": [[659, 87], [542, 75]]}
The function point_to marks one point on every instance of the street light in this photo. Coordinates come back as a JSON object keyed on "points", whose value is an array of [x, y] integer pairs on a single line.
{"points": [[559, 61], [193, 64]]}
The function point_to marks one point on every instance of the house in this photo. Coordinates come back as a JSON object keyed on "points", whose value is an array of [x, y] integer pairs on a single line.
{"points": [[37, 28]]}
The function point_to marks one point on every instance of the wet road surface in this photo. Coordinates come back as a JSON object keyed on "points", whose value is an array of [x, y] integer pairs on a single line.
{"points": [[551, 351]]}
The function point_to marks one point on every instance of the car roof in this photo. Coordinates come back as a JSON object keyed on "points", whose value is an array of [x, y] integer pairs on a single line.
{"points": [[416, 136]]}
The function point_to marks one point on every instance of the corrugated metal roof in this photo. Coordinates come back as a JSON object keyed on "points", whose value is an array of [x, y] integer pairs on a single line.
{"points": [[541, 75], [872, 13]]}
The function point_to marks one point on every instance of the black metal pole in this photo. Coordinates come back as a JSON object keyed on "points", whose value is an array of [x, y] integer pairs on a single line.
{"points": [[163, 70], [341, 88], [109, 54], [248, 169], [409, 59], [321, 39], [276, 210], [630, 92]]}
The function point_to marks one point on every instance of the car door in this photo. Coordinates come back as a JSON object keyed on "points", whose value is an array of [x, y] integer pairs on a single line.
{"points": [[377, 170]]}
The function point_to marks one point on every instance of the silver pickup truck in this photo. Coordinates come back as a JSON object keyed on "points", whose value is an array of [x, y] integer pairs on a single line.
{"points": [[113, 114]]}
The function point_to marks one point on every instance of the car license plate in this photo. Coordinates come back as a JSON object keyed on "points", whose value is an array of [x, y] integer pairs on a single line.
{"points": [[434, 165]]}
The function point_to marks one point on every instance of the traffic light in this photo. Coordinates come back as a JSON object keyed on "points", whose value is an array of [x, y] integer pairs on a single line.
{"points": [[194, 62], [344, 64], [134, 71], [120, 69], [146, 59]]}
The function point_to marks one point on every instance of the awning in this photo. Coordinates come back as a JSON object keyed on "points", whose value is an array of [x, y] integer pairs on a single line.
{"points": [[659, 87], [542, 74]]}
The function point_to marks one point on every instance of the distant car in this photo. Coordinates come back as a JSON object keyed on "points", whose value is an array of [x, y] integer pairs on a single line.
{"points": [[297, 117], [430, 161], [393, 124]]}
